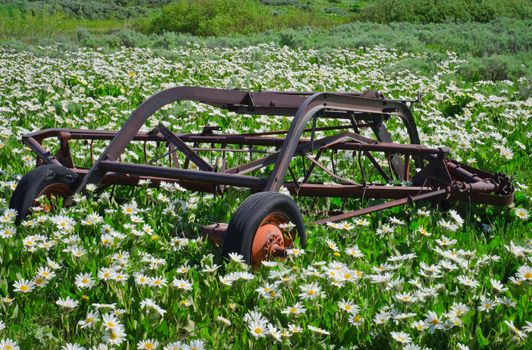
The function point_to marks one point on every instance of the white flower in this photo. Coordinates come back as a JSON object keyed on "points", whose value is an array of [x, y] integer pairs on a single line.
{"points": [[524, 273], [401, 337], [521, 213], [520, 334], [237, 258], [498, 286], [258, 327], [467, 281], [311, 291], [84, 280], [90, 320], [296, 310], [8, 344], [151, 304], [355, 319], [110, 321], [224, 320], [348, 306], [148, 344], [506, 153], [196, 344], [318, 330], [182, 284], [67, 303], [433, 322], [23, 286]]}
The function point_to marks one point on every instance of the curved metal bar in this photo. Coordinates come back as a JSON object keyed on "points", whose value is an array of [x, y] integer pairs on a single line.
{"points": [[321, 101], [229, 98], [145, 110]]}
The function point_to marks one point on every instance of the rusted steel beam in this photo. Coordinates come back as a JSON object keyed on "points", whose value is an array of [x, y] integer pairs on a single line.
{"points": [[183, 174], [182, 146], [442, 193]]}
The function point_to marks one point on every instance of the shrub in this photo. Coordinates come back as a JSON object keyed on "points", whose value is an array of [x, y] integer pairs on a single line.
{"points": [[435, 11], [227, 17]]}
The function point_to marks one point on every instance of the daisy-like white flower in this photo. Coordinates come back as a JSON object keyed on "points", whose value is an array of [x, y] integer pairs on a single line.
{"points": [[150, 303], [418, 325], [115, 336], [177, 345], [224, 320], [518, 333], [332, 245], [90, 319], [467, 281], [196, 344], [158, 282], [72, 346], [355, 319], [84, 280], [459, 310], [498, 286], [294, 252], [311, 291], [318, 330], [268, 291], [524, 273], [405, 298], [401, 337], [8, 344], [382, 317], [148, 344], [258, 327], [423, 231], [130, 209], [521, 213], [23, 286], [354, 251], [67, 303], [506, 153], [433, 322], [182, 284], [348, 306], [110, 321], [295, 310], [238, 258]]}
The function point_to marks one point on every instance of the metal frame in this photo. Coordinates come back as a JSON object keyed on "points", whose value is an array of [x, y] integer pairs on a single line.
{"points": [[439, 178]]}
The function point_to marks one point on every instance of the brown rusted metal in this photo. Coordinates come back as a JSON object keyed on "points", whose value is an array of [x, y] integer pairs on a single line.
{"points": [[379, 168]]}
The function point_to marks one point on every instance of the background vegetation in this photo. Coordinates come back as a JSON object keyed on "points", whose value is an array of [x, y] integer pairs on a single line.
{"points": [[493, 36]]}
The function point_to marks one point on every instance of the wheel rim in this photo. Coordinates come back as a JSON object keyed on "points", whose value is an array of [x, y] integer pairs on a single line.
{"points": [[269, 240], [54, 189]]}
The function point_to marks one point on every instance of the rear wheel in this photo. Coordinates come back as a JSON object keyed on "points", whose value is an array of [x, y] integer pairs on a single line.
{"points": [[45, 181], [264, 226]]}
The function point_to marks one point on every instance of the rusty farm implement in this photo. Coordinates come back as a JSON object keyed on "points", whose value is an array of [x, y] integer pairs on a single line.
{"points": [[308, 159]]}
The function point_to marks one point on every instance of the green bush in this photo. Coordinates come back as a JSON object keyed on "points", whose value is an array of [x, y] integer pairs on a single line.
{"points": [[226, 17], [437, 11]]}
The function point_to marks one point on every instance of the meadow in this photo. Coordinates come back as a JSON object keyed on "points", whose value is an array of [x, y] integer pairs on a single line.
{"points": [[130, 269]]}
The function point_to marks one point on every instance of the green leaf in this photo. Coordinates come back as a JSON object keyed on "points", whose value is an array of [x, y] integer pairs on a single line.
{"points": [[482, 341]]}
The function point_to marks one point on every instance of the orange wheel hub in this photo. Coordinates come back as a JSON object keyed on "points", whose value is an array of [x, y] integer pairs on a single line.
{"points": [[269, 239]]}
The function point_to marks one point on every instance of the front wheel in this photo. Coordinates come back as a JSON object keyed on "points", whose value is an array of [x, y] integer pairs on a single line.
{"points": [[46, 180], [264, 226]]}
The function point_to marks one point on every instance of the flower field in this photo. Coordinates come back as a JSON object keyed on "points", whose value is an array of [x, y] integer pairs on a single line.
{"points": [[129, 268]]}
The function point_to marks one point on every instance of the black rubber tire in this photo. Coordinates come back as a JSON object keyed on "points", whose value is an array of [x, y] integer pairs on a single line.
{"points": [[247, 218], [35, 181]]}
